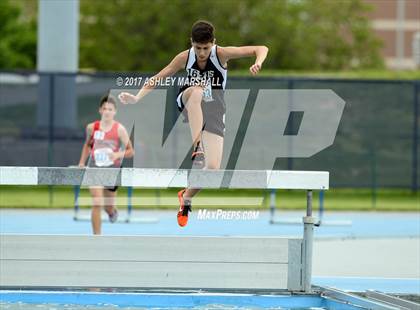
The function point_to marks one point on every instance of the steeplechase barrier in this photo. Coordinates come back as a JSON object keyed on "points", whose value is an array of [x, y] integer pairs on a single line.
{"points": [[224, 263]]}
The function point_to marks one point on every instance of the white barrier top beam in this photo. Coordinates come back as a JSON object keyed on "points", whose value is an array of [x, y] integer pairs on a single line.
{"points": [[165, 178]]}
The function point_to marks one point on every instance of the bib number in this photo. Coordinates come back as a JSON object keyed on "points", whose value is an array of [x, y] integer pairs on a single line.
{"points": [[102, 158], [207, 93], [99, 135]]}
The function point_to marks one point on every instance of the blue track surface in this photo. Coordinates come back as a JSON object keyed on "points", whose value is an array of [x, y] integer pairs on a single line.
{"points": [[364, 225], [357, 284]]}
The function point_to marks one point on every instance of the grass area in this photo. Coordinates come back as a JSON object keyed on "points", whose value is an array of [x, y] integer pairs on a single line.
{"points": [[335, 199], [355, 74]]}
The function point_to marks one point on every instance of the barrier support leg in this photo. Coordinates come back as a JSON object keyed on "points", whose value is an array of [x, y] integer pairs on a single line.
{"points": [[76, 201], [272, 205], [129, 203], [308, 236]]}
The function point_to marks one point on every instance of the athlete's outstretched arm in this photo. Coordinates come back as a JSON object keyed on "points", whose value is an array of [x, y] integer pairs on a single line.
{"points": [[177, 64], [233, 52], [86, 146]]}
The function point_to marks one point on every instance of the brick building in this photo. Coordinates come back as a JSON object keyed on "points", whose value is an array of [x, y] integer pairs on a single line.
{"points": [[397, 24]]}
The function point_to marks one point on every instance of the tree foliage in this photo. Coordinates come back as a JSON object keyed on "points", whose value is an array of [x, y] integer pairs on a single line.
{"points": [[17, 38], [143, 35]]}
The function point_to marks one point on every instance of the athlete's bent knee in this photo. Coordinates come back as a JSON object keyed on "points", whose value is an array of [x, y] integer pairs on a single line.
{"points": [[196, 91], [212, 166]]}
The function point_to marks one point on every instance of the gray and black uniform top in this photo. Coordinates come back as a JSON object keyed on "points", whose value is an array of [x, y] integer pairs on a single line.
{"points": [[213, 80]]}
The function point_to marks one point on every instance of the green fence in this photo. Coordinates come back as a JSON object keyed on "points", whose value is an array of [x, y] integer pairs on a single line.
{"points": [[377, 143]]}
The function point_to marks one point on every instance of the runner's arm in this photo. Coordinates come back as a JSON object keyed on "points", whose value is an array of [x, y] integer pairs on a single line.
{"points": [[128, 150], [177, 64], [86, 147], [234, 52]]}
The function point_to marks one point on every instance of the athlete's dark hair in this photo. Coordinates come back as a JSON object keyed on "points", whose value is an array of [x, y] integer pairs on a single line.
{"points": [[108, 98], [202, 32]]}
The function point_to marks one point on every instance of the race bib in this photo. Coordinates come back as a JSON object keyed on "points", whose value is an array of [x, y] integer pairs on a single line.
{"points": [[207, 93], [102, 157], [99, 135]]}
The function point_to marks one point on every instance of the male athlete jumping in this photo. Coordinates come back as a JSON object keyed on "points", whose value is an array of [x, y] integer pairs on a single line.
{"points": [[201, 99]]}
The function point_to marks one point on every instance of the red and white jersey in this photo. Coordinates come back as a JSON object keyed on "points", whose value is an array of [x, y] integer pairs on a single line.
{"points": [[104, 143]]}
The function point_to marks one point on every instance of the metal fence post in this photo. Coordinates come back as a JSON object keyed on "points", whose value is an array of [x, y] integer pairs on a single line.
{"points": [[290, 86], [51, 102], [414, 183]]}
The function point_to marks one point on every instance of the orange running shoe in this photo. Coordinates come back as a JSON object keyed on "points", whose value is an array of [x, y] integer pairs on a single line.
{"points": [[185, 207]]}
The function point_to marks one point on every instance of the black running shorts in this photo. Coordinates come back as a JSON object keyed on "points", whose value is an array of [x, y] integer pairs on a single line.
{"points": [[213, 113]]}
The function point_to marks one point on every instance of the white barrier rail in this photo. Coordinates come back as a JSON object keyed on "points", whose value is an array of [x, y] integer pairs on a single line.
{"points": [[164, 178], [161, 262]]}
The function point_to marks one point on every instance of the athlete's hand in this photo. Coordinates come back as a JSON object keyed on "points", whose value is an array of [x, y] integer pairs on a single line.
{"points": [[127, 98], [115, 156], [255, 68]]}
